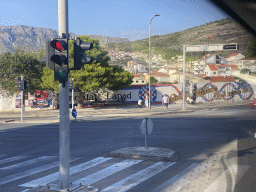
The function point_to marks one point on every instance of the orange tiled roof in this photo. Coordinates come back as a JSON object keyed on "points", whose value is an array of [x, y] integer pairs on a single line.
{"points": [[232, 55], [213, 67], [234, 67], [157, 74], [206, 56], [221, 78]]}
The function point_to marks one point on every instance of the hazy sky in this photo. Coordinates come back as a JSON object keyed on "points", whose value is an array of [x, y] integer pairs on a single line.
{"points": [[115, 18]]}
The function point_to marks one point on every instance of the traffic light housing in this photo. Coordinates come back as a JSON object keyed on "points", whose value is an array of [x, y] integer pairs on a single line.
{"points": [[18, 83], [26, 83], [57, 59], [79, 58], [71, 84]]}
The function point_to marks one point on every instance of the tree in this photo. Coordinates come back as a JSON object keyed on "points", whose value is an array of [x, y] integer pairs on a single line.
{"points": [[153, 81], [92, 76], [14, 65], [251, 48], [245, 71]]}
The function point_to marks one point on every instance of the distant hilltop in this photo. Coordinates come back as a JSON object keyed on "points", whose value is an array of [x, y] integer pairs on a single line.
{"points": [[33, 38], [170, 45]]}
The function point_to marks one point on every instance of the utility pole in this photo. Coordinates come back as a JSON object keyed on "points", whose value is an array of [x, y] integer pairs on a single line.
{"points": [[64, 125]]}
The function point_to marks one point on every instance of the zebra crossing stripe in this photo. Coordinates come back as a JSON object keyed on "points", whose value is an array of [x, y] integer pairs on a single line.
{"points": [[176, 182], [12, 159], [26, 163], [138, 177], [220, 184], [25, 190], [53, 177], [95, 177], [29, 172]]}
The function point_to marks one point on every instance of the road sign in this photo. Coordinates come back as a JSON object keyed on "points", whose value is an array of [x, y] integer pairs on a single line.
{"points": [[74, 113], [146, 126], [211, 47]]}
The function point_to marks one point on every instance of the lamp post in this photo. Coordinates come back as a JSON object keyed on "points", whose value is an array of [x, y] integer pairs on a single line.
{"points": [[150, 61]]}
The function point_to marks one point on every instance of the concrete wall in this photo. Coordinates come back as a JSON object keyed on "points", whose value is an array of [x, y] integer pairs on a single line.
{"points": [[7, 103], [209, 92]]}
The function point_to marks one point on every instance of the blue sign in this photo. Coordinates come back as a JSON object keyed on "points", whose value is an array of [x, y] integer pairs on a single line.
{"points": [[74, 113]]}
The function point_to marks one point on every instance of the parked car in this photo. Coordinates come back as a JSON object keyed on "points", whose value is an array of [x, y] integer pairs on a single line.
{"points": [[253, 103]]}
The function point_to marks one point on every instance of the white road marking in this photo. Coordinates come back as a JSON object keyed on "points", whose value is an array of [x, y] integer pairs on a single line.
{"points": [[26, 163], [138, 177], [25, 190], [176, 182], [12, 159], [53, 177], [220, 184], [29, 172], [95, 177]]}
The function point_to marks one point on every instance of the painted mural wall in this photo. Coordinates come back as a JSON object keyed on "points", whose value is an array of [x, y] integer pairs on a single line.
{"points": [[199, 92], [209, 92]]}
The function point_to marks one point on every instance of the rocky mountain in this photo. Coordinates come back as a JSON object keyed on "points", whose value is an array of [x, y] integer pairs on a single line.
{"points": [[34, 38], [170, 45], [105, 39]]}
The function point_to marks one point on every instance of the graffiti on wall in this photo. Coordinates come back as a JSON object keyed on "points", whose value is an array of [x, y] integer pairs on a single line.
{"points": [[210, 92]]}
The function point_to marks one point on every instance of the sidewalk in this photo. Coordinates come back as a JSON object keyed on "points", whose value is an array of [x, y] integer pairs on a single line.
{"points": [[48, 115]]}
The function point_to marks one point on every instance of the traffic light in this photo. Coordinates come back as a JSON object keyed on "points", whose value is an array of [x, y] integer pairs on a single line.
{"points": [[233, 46], [18, 83], [79, 58], [71, 84], [60, 59]]}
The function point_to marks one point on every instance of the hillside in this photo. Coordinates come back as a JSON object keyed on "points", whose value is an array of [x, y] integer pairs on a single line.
{"points": [[221, 31], [34, 38]]}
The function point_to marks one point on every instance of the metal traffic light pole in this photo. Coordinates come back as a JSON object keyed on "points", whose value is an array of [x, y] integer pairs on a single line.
{"points": [[22, 95], [64, 125]]}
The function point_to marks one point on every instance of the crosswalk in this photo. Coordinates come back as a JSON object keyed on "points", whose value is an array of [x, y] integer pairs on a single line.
{"points": [[21, 173]]}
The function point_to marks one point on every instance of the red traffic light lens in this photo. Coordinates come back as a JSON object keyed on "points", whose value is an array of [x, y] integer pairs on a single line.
{"points": [[59, 45]]}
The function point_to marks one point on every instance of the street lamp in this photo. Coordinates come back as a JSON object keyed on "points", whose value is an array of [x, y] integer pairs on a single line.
{"points": [[150, 61]]}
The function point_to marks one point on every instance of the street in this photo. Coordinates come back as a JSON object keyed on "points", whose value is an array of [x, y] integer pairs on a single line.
{"points": [[208, 143]]}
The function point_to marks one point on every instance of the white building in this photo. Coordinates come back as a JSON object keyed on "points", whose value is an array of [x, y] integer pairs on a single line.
{"points": [[219, 70], [212, 59], [139, 68], [138, 80], [234, 57]]}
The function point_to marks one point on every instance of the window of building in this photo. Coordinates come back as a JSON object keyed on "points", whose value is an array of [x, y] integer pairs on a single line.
{"points": [[137, 81]]}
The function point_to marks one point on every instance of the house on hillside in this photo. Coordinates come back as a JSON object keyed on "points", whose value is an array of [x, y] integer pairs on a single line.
{"points": [[163, 70], [160, 77], [138, 80], [234, 57], [248, 63], [172, 70], [212, 59], [219, 70]]}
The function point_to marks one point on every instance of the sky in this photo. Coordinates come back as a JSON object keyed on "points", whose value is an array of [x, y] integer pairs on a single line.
{"points": [[115, 18]]}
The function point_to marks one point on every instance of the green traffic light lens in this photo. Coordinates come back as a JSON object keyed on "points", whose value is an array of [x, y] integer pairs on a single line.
{"points": [[60, 74]]}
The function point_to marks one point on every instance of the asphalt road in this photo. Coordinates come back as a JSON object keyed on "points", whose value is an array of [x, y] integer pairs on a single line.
{"points": [[212, 145]]}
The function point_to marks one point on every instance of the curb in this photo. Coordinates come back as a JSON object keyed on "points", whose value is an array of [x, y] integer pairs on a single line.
{"points": [[7, 120], [149, 153], [49, 188]]}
